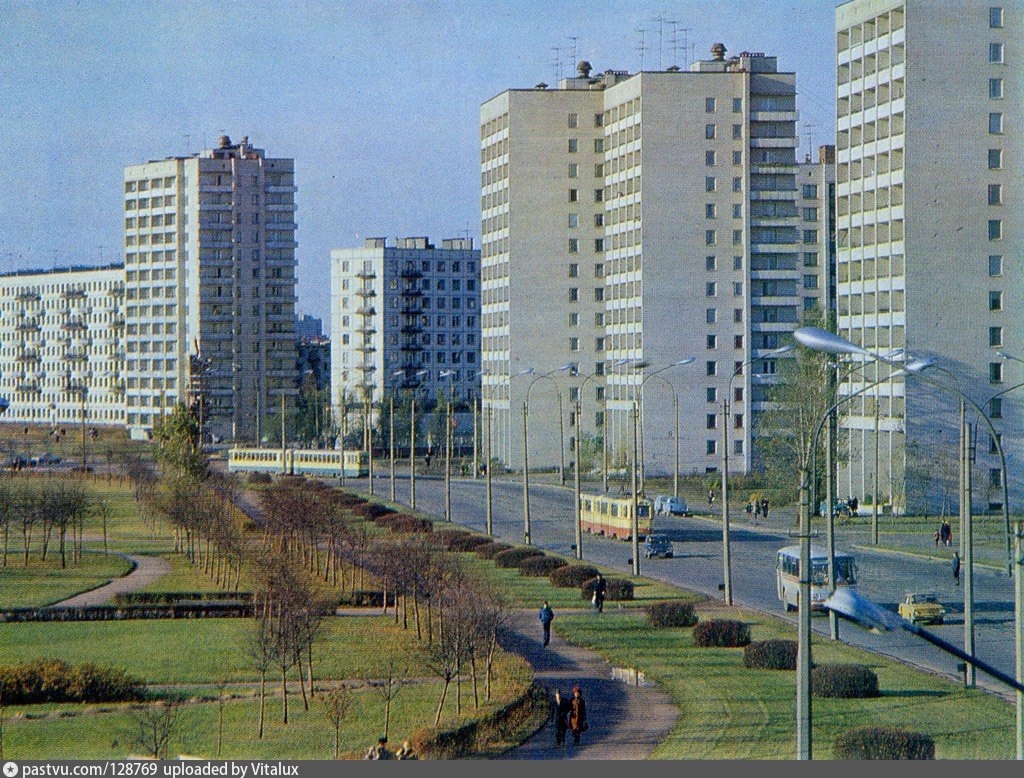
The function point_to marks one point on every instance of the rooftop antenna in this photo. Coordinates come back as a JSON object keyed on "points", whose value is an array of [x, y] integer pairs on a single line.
{"points": [[188, 142], [686, 46], [662, 21], [809, 129], [573, 59], [642, 46], [673, 40], [557, 63]]}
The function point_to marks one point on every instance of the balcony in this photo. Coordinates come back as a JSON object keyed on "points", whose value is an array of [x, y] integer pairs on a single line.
{"points": [[73, 323], [411, 346], [410, 272], [366, 348], [27, 325], [366, 292], [411, 310], [28, 296], [367, 330], [27, 355], [366, 310], [366, 275], [73, 294], [28, 387], [76, 355], [412, 293], [411, 329]]}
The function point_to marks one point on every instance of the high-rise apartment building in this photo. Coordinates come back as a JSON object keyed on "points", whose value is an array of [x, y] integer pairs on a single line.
{"points": [[61, 350], [210, 273], [929, 233], [405, 317], [629, 222]]}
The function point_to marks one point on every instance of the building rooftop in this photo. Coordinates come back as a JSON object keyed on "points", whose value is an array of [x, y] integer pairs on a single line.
{"points": [[58, 269]]}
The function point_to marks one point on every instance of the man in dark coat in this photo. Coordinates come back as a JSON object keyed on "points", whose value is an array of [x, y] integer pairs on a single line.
{"points": [[577, 715], [560, 710], [600, 589], [546, 616], [956, 567]]}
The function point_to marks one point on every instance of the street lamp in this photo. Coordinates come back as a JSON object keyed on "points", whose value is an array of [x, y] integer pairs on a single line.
{"points": [[449, 437], [726, 544], [526, 448], [412, 436], [643, 459], [578, 451]]}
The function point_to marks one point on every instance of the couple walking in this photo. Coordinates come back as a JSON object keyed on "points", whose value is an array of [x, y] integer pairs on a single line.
{"points": [[570, 715]]}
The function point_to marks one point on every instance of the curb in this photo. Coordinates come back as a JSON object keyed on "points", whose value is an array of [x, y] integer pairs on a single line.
{"points": [[918, 555]]}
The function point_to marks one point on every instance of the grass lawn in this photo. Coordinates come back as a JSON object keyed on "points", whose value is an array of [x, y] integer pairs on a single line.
{"points": [[190, 651], [731, 712], [43, 583], [186, 577]]}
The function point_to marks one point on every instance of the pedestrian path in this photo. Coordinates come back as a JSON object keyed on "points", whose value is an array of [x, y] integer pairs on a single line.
{"points": [[145, 570], [626, 722]]}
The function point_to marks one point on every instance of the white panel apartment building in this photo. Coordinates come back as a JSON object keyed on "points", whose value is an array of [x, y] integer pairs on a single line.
{"points": [[61, 346], [401, 316], [929, 229], [210, 271], [641, 218]]}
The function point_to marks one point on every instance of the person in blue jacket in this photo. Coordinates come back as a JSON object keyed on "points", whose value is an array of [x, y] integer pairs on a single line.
{"points": [[546, 616]]}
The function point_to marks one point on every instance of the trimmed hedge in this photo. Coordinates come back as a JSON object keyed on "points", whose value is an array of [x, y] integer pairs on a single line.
{"points": [[371, 510], [403, 522], [467, 543], [513, 556], [883, 743], [571, 576], [47, 680], [671, 614], [615, 589], [491, 549], [445, 536], [843, 681], [771, 655], [540, 566], [172, 598], [721, 633]]}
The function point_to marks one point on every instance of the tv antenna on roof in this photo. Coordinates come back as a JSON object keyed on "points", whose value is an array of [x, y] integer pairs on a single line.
{"points": [[556, 63], [673, 40], [572, 60], [642, 46], [662, 21], [808, 128]]}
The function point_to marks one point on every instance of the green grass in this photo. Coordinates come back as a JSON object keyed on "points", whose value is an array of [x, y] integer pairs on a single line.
{"points": [[44, 583], [187, 577], [730, 712]]}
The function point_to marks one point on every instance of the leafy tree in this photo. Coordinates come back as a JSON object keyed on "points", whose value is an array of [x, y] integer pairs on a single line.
{"points": [[176, 435]]}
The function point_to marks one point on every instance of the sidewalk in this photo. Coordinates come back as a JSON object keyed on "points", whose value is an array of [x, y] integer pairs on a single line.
{"points": [[145, 570]]}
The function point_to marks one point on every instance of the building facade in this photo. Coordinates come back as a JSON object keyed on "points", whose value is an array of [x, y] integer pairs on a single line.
{"points": [[630, 221], [210, 273], [929, 235], [61, 346], [405, 318]]}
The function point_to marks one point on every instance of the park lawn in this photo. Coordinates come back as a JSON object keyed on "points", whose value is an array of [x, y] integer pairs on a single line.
{"points": [[191, 651], [187, 577], [731, 712], [82, 733], [44, 583]]}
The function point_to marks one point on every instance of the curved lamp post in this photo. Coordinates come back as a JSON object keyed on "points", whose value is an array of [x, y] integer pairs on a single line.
{"points": [[449, 438], [576, 469], [412, 438], [640, 414]]}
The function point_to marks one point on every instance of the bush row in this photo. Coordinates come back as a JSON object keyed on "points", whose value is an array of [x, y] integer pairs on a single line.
{"points": [[843, 681], [491, 549], [572, 576], [671, 614], [540, 566], [173, 598], [46, 680], [883, 743], [615, 589], [404, 523], [721, 633], [513, 556], [771, 655]]}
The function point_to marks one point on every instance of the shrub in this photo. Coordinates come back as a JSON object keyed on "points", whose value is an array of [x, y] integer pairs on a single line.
{"points": [[513, 556], [491, 549], [721, 633], [843, 681], [883, 743], [771, 655], [615, 589], [467, 542], [372, 510], [403, 522], [671, 614], [45, 680], [540, 566], [571, 576], [446, 536], [259, 478]]}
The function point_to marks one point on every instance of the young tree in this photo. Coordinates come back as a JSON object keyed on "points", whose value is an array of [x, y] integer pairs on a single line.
{"points": [[153, 727], [262, 647], [336, 704], [389, 688]]}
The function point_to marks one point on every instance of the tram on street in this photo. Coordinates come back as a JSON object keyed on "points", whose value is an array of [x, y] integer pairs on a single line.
{"points": [[611, 516], [292, 461]]}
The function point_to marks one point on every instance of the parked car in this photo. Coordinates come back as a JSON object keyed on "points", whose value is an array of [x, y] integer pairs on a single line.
{"points": [[666, 504], [922, 608], [657, 545]]}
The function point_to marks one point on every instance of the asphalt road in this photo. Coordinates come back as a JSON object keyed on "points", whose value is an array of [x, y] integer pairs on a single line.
{"points": [[697, 565]]}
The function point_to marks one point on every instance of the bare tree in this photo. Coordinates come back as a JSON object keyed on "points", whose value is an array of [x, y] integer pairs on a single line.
{"points": [[153, 727], [261, 650], [388, 689], [336, 704]]}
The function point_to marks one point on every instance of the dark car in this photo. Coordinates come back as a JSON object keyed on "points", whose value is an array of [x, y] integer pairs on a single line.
{"points": [[657, 545]]}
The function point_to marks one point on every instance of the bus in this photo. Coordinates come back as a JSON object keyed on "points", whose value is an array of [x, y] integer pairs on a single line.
{"points": [[291, 461], [787, 576], [603, 514]]}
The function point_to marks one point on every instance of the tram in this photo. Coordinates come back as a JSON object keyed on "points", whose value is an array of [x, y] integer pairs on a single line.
{"points": [[604, 514], [293, 461]]}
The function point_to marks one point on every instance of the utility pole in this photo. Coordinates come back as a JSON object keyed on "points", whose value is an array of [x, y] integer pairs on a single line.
{"points": [[1018, 629], [412, 454], [82, 395], [391, 441], [967, 540], [448, 435], [368, 435], [490, 523], [576, 484], [874, 488], [635, 533], [830, 518], [726, 550], [604, 449], [476, 439], [803, 665], [526, 478], [675, 473]]}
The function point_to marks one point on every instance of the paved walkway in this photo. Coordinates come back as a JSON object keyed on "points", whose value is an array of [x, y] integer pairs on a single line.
{"points": [[146, 570], [626, 722]]}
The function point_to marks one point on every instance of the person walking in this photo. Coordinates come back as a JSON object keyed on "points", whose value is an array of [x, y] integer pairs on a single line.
{"points": [[947, 533], [546, 616], [711, 497], [560, 710], [577, 715], [600, 590], [379, 751], [405, 752], [956, 567], [764, 508]]}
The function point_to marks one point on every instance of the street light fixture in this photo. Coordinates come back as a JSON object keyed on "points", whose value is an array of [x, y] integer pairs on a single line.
{"points": [[449, 437], [578, 529], [412, 437], [643, 458]]}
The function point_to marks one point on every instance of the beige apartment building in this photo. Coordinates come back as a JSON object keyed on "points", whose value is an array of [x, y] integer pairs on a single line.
{"points": [[640, 219], [929, 150], [61, 349], [210, 288]]}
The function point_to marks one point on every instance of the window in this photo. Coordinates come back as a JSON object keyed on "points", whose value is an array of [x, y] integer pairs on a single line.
{"points": [[709, 131], [737, 210], [712, 342], [995, 123], [995, 479], [712, 421], [995, 265], [737, 315], [737, 263], [995, 229], [737, 105], [598, 270], [574, 145], [809, 191], [810, 236], [710, 263], [737, 447], [574, 120], [598, 195], [574, 320], [710, 289], [599, 120], [598, 170], [995, 372], [810, 214], [599, 294], [711, 315], [574, 170], [712, 394], [598, 245], [574, 344], [995, 301], [710, 238], [737, 341], [737, 131], [709, 158], [995, 336], [737, 184], [995, 53], [574, 270], [737, 288], [710, 184], [737, 158], [599, 220], [712, 446], [709, 105], [711, 367], [995, 159], [598, 145], [574, 245], [574, 220], [574, 295], [737, 237], [574, 195], [995, 18], [995, 407], [995, 88], [995, 194], [810, 282], [737, 421], [710, 212]]}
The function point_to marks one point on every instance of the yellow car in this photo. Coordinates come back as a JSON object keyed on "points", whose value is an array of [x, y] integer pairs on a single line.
{"points": [[922, 609]]}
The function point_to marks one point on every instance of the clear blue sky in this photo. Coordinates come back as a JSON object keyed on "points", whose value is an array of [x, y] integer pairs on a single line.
{"points": [[377, 101]]}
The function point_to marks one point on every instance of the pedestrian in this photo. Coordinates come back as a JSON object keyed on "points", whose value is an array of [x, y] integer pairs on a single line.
{"points": [[852, 502], [757, 507], [947, 532], [938, 536], [577, 715], [546, 616], [764, 508], [956, 567], [379, 751], [600, 589], [560, 710], [749, 509]]}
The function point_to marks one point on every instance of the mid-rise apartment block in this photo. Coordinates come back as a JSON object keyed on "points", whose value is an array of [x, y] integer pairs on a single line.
{"points": [[210, 287], [929, 234], [630, 221], [405, 318], [61, 346]]}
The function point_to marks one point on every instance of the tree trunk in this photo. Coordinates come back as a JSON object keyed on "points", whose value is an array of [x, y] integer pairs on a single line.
{"points": [[63, 558], [284, 694], [387, 710], [416, 613], [440, 705], [309, 667], [472, 670], [263, 697], [458, 688], [302, 682]]}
